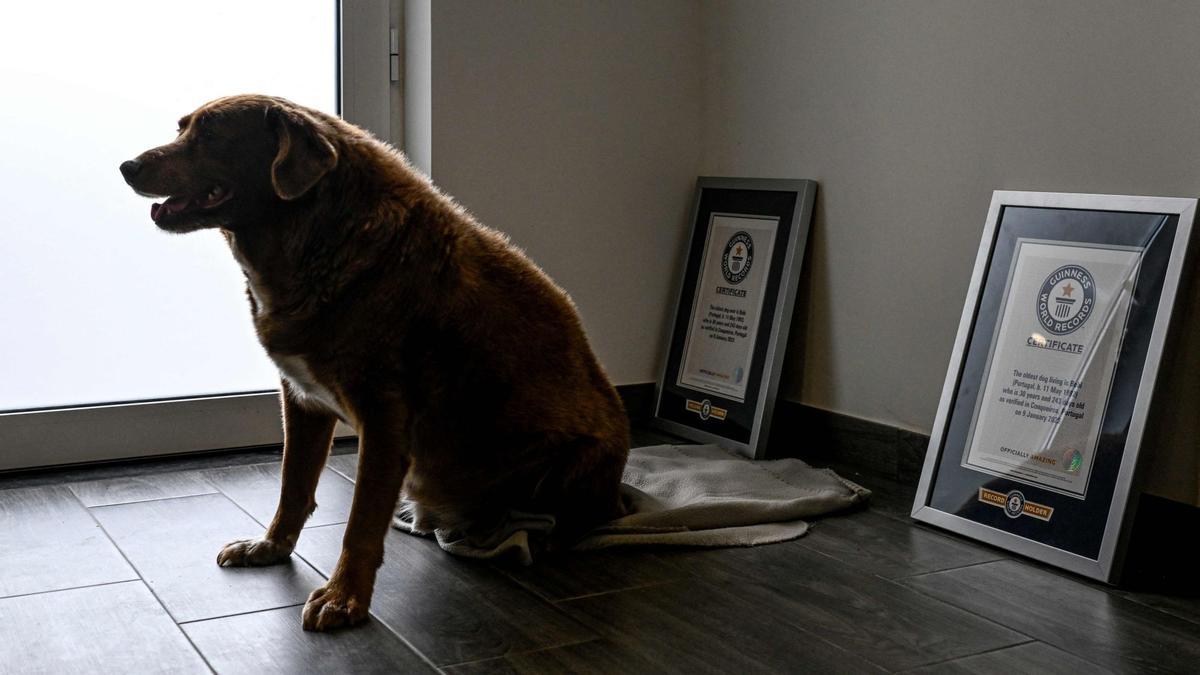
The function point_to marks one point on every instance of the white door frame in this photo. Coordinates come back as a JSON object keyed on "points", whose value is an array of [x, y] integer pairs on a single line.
{"points": [[124, 430]]}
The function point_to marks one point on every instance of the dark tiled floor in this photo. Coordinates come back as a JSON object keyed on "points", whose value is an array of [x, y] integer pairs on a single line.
{"points": [[112, 569]]}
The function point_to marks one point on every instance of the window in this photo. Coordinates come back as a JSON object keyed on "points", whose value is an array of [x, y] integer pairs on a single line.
{"points": [[117, 339]]}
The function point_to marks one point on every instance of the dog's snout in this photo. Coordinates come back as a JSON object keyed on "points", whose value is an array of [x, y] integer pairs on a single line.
{"points": [[130, 168]]}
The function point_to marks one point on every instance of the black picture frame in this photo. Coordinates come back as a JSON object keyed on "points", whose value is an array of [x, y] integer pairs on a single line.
{"points": [[1035, 445], [729, 331]]}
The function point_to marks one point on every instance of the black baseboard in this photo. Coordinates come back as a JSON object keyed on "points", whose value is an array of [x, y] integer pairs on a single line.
{"points": [[638, 400], [821, 436], [1162, 552]]}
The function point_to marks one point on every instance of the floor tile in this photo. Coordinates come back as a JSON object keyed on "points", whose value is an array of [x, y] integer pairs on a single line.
{"points": [[139, 467], [577, 574], [594, 657], [1032, 657], [1076, 617], [698, 628], [876, 619], [1185, 605], [173, 543], [889, 548], [107, 492], [451, 610], [274, 642], [824, 603], [255, 488], [116, 628], [49, 542], [346, 465]]}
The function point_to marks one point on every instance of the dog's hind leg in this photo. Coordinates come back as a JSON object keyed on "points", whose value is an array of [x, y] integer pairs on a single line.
{"points": [[585, 491], [382, 465], [307, 436]]}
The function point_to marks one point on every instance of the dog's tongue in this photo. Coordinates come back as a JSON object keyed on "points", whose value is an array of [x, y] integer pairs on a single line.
{"points": [[172, 206]]}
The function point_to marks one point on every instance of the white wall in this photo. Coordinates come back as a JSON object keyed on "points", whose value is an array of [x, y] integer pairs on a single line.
{"points": [[573, 127], [909, 114], [577, 127]]}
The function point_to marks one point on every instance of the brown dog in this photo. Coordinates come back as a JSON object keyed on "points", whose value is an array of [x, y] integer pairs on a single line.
{"points": [[463, 368]]}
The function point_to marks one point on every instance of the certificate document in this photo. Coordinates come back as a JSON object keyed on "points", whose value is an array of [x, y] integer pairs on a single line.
{"points": [[1051, 363], [729, 296]]}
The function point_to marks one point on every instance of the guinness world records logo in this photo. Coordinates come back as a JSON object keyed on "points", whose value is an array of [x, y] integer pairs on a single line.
{"points": [[1014, 504], [1066, 299], [739, 253]]}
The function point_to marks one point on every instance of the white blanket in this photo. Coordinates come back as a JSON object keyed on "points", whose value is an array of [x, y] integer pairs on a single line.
{"points": [[684, 495]]}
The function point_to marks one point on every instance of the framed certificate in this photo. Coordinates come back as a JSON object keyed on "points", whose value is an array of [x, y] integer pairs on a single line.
{"points": [[731, 322], [1041, 418]]}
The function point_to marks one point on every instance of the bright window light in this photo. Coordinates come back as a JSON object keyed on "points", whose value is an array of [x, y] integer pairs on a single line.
{"points": [[96, 304]]}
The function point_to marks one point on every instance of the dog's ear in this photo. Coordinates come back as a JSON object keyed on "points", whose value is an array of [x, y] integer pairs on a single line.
{"points": [[304, 154]]}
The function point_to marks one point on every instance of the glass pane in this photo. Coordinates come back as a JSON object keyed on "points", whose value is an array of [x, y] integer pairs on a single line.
{"points": [[96, 304]]}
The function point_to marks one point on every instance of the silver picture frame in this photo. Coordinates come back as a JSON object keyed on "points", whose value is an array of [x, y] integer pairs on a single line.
{"points": [[745, 420], [1118, 517]]}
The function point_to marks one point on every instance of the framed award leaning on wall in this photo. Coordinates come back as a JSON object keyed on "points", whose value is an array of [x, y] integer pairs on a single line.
{"points": [[730, 327], [1041, 419]]}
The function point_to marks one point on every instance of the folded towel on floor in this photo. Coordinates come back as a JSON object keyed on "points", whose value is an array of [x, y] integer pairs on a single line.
{"points": [[684, 495]]}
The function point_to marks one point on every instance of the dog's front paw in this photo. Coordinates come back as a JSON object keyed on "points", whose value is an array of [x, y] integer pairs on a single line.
{"points": [[253, 553], [331, 607]]}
